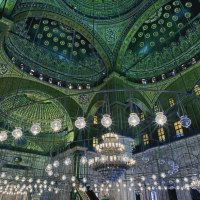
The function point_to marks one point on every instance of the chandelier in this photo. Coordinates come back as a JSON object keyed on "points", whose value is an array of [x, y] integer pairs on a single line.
{"points": [[195, 184], [111, 161]]}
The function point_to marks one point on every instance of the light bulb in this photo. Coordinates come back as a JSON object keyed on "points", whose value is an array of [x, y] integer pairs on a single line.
{"points": [[52, 183], [56, 163], [185, 179], [67, 161], [49, 167], [163, 175], [106, 120], [83, 160], [50, 173], [73, 178], [35, 129], [3, 136], [30, 180], [80, 123], [160, 119], [133, 119], [17, 133], [56, 125], [64, 177], [154, 177], [177, 180], [23, 179]]}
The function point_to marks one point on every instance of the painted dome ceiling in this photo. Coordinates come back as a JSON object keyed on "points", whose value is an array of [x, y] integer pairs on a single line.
{"points": [[26, 108], [165, 40], [144, 46], [154, 39], [54, 50]]}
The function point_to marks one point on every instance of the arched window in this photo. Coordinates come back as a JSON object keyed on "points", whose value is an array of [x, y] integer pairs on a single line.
{"points": [[146, 139], [95, 120], [197, 90], [94, 141], [161, 135], [156, 109], [142, 118], [171, 102], [178, 129]]}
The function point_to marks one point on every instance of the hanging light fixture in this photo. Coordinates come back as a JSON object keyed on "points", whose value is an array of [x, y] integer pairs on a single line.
{"points": [[133, 119], [67, 161], [17, 133], [3, 136], [64, 177], [111, 162], [80, 123], [49, 167], [35, 129], [83, 160], [106, 120], [195, 184], [56, 125], [56, 163], [73, 178], [50, 173], [160, 118], [185, 121]]}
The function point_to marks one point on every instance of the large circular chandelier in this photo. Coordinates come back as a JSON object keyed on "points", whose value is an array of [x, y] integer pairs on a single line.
{"points": [[111, 161]]}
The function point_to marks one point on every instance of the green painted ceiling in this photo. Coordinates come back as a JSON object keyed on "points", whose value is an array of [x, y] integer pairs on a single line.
{"points": [[171, 32], [45, 45], [103, 9], [55, 50], [154, 38], [24, 109]]}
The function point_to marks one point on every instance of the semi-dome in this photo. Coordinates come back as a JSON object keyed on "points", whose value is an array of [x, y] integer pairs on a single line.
{"points": [[26, 108]]}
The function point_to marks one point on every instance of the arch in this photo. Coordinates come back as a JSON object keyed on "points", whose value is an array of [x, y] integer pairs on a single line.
{"points": [[9, 85]]}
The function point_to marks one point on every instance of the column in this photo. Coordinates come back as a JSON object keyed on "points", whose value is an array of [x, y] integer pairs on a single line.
{"points": [[183, 195], [162, 194]]}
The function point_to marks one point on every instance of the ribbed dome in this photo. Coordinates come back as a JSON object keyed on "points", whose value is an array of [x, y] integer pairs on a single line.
{"points": [[103, 8], [27, 108], [55, 51]]}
